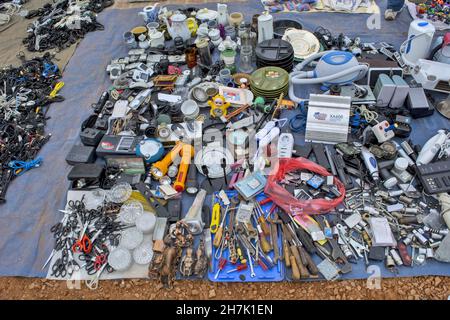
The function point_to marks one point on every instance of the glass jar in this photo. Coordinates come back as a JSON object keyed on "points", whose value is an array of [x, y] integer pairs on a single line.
{"points": [[204, 52], [228, 56], [225, 76], [245, 63], [230, 31]]}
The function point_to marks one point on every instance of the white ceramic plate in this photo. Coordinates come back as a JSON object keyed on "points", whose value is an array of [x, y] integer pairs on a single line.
{"points": [[305, 43]]}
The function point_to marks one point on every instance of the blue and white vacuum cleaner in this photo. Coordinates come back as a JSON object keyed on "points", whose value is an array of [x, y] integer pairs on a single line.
{"points": [[333, 68]]}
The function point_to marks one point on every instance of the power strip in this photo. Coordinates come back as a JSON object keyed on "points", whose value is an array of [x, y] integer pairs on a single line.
{"points": [[285, 145]]}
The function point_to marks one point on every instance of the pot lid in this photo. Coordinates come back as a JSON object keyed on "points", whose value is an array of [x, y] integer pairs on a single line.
{"points": [[202, 42], [179, 17], [206, 14]]}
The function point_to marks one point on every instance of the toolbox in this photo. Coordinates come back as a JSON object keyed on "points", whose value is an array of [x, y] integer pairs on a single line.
{"points": [[277, 273]]}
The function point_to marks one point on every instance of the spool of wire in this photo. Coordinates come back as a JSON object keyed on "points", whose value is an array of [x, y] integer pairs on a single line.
{"points": [[143, 254], [131, 238], [120, 259]]}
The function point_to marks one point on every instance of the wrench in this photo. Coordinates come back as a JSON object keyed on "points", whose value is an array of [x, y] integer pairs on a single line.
{"points": [[252, 271], [358, 247]]}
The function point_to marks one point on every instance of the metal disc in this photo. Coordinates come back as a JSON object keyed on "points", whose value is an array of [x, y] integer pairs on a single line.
{"points": [[443, 108]]}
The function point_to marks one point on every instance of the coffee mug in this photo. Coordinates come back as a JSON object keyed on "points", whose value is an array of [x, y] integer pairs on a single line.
{"points": [[152, 25]]}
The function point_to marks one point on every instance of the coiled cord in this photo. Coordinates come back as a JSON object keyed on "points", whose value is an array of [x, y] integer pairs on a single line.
{"points": [[20, 167], [367, 114], [297, 124]]}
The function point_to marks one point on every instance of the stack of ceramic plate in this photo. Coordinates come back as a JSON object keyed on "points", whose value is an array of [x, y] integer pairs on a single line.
{"points": [[275, 52], [269, 82]]}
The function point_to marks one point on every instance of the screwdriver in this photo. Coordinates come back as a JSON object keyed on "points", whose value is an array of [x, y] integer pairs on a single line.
{"points": [[289, 254], [223, 164], [222, 263], [295, 271], [265, 246], [287, 260], [261, 219], [239, 267], [265, 201]]}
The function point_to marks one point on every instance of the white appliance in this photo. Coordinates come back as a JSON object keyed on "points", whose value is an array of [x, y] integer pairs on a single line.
{"points": [[334, 67], [432, 75], [418, 44]]}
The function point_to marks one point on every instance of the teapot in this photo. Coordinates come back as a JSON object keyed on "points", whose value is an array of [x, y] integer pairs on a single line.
{"points": [[150, 13], [179, 27]]}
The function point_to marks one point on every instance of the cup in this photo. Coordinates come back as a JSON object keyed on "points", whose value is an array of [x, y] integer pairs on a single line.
{"points": [[225, 76], [152, 25], [130, 40], [190, 109]]}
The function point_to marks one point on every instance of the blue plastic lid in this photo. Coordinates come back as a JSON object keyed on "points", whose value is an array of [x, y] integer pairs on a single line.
{"points": [[422, 24]]}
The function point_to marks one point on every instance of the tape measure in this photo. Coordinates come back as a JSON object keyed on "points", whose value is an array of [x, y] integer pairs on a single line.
{"points": [[215, 219], [150, 149]]}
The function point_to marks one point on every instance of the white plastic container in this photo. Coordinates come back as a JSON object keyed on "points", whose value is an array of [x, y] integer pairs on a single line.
{"points": [[222, 17], [420, 36]]}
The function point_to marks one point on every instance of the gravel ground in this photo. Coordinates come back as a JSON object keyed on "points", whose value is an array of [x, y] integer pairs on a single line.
{"points": [[437, 288], [419, 288]]}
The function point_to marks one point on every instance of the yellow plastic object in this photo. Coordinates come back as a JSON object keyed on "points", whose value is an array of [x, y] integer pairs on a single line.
{"points": [[159, 169], [192, 26], [215, 218], [187, 153], [218, 106]]}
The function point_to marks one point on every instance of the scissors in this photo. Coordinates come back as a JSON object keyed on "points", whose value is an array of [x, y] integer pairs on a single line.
{"points": [[100, 260], [60, 230], [59, 268], [82, 245]]}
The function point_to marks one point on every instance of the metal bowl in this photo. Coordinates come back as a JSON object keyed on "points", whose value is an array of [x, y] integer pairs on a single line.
{"points": [[279, 26]]}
